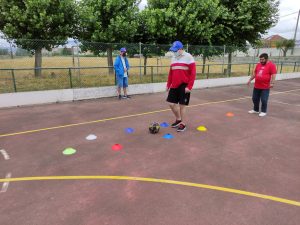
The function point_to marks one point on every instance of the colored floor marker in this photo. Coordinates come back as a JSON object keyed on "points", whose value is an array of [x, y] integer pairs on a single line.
{"points": [[129, 130], [168, 136], [91, 137], [116, 147], [69, 151], [202, 128], [230, 114], [164, 124]]}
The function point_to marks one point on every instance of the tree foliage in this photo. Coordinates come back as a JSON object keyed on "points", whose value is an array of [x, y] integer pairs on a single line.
{"points": [[191, 21], [27, 20], [211, 22], [243, 22], [195, 22], [285, 45], [108, 21]]}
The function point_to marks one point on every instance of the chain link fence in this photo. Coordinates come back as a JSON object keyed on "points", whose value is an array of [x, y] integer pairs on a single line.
{"points": [[32, 65]]}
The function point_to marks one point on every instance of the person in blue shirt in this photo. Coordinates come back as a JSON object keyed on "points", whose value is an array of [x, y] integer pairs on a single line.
{"points": [[121, 66]]}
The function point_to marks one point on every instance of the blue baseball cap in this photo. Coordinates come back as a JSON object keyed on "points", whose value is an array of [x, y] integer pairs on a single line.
{"points": [[176, 46], [123, 50]]}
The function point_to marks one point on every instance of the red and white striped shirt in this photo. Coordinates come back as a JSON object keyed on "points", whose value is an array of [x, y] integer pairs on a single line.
{"points": [[182, 70]]}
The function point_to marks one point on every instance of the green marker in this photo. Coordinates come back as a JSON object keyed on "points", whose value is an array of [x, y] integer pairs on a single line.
{"points": [[69, 151]]}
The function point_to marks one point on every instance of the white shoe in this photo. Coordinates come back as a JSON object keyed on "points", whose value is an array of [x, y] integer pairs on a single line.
{"points": [[253, 112], [262, 114]]}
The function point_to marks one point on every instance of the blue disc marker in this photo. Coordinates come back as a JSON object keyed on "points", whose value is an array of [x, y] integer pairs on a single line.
{"points": [[164, 124], [129, 130], [168, 136]]}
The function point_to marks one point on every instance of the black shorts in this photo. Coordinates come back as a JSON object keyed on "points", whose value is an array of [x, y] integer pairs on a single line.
{"points": [[178, 95]]}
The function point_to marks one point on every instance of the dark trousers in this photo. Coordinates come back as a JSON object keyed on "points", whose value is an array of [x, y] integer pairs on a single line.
{"points": [[260, 95]]}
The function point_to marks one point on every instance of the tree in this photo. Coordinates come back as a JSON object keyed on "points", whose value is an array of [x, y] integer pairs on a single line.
{"points": [[206, 52], [29, 21], [285, 45], [148, 43], [190, 21], [66, 51], [3, 51], [257, 45], [242, 22], [107, 21]]}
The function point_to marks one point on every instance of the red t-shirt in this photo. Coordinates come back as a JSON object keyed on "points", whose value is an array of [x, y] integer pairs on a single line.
{"points": [[263, 75]]}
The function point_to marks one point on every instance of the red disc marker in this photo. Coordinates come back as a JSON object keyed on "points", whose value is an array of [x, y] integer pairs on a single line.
{"points": [[116, 147]]}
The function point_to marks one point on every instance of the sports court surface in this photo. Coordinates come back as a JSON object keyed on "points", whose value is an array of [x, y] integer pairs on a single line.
{"points": [[242, 170]]}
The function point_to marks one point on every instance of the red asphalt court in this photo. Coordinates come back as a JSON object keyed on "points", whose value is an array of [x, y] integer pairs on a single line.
{"points": [[228, 168]]}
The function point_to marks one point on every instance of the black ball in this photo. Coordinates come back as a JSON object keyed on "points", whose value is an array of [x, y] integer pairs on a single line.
{"points": [[154, 128]]}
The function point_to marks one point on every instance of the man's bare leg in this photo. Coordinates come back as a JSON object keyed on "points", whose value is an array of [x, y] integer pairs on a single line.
{"points": [[175, 110], [182, 112]]}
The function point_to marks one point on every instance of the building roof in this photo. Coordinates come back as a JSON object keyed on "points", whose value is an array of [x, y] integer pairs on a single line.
{"points": [[275, 37]]}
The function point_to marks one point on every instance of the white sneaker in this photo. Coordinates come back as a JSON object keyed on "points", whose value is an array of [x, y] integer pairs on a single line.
{"points": [[262, 114], [253, 112]]}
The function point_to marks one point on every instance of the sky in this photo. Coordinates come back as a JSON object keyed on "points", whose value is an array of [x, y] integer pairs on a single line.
{"points": [[286, 24]]}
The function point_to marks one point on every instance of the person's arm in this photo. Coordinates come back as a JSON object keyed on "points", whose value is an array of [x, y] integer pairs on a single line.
{"points": [[169, 82], [127, 64], [190, 85], [117, 64], [252, 77], [273, 75], [272, 80]]}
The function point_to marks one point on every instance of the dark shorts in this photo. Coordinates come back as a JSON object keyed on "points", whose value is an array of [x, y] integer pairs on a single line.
{"points": [[178, 95]]}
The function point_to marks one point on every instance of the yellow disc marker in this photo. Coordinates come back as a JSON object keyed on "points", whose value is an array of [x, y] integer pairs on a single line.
{"points": [[202, 128]]}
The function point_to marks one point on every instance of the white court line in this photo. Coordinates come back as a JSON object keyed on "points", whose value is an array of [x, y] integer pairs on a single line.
{"points": [[5, 184], [5, 154], [292, 94], [285, 103]]}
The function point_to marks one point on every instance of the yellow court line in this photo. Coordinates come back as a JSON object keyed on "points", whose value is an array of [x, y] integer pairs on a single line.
{"points": [[154, 180], [128, 116]]}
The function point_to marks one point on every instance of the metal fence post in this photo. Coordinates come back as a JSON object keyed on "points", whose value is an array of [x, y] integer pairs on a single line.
{"points": [[11, 51], [78, 63], [70, 76], [207, 75], [254, 55], [151, 74], [224, 52], [281, 67], [249, 69], [295, 67], [14, 79], [140, 53]]}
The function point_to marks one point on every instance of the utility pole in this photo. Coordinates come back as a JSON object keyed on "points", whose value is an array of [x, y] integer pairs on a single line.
{"points": [[295, 35]]}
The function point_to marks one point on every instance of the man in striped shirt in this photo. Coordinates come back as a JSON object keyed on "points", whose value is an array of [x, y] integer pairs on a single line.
{"points": [[181, 79]]}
